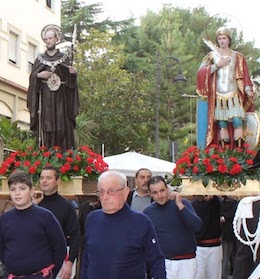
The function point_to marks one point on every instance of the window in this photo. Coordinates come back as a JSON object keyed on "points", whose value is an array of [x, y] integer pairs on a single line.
{"points": [[49, 3], [31, 55], [13, 48]]}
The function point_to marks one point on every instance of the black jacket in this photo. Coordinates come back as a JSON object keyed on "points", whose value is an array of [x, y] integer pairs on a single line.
{"points": [[130, 197]]}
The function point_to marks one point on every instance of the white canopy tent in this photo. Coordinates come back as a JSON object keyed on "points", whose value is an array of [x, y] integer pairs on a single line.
{"points": [[130, 162]]}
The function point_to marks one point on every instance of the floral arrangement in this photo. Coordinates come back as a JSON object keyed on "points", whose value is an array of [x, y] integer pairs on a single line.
{"points": [[79, 162], [219, 165]]}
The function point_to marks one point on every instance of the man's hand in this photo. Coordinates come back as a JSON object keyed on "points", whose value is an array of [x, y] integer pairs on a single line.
{"points": [[178, 199], [208, 197], [37, 196], [66, 270]]}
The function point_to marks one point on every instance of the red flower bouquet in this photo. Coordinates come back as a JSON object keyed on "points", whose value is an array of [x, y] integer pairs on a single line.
{"points": [[79, 162], [221, 166]]}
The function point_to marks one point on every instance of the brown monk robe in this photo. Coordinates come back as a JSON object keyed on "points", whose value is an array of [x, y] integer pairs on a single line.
{"points": [[53, 99]]}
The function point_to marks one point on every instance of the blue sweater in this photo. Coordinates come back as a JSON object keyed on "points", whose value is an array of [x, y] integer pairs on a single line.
{"points": [[30, 240], [119, 245], [175, 228]]}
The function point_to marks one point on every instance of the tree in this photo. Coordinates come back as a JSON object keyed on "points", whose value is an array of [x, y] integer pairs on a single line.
{"points": [[74, 12], [84, 130], [110, 96], [14, 137]]}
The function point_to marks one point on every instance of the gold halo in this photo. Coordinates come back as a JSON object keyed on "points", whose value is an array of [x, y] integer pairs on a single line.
{"points": [[52, 27]]}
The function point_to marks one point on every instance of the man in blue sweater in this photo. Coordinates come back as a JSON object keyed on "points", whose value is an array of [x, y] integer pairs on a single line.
{"points": [[32, 243], [175, 223], [120, 242]]}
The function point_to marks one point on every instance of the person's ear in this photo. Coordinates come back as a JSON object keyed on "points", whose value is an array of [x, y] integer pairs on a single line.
{"points": [[126, 191], [32, 191], [58, 181]]}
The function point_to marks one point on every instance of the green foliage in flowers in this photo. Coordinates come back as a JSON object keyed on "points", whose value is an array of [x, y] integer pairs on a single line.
{"points": [[79, 162], [221, 166]]}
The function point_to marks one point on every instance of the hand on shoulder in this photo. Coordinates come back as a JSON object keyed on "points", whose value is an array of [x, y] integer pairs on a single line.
{"points": [[178, 199], [37, 196]]}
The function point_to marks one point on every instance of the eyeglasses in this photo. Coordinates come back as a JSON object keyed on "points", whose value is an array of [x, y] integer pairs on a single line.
{"points": [[110, 192]]}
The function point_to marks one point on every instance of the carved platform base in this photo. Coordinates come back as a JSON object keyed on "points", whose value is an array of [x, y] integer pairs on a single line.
{"points": [[76, 187], [190, 188]]}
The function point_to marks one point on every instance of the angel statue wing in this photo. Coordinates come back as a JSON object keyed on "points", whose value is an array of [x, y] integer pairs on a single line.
{"points": [[211, 46]]}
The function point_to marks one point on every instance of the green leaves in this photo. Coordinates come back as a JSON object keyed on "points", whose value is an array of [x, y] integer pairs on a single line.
{"points": [[205, 181]]}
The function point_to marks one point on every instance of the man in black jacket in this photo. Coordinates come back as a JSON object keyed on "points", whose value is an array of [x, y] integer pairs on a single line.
{"points": [[84, 209], [64, 211], [139, 198]]}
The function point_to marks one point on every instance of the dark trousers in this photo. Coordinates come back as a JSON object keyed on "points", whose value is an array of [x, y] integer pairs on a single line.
{"points": [[228, 258]]}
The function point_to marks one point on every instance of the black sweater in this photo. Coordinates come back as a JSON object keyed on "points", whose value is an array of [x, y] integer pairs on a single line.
{"points": [[209, 212], [66, 215]]}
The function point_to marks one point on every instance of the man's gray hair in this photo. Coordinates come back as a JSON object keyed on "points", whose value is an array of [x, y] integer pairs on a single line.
{"points": [[112, 173]]}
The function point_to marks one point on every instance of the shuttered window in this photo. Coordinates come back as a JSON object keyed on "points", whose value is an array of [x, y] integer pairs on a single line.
{"points": [[31, 55], [13, 48], [49, 3]]}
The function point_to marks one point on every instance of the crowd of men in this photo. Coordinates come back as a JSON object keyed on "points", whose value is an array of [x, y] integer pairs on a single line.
{"points": [[149, 232]]}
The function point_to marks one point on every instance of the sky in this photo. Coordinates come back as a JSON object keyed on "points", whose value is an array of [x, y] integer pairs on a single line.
{"points": [[244, 15]]}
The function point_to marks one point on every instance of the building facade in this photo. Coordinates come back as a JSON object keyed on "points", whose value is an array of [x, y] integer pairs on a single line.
{"points": [[21, 23]]}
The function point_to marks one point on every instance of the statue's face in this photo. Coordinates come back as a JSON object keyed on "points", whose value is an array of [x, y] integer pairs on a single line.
{"points": [[50, 40], [223, 41]]}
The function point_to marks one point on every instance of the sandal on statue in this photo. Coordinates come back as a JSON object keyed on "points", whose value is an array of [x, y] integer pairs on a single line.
{"points": [[223, 142]]}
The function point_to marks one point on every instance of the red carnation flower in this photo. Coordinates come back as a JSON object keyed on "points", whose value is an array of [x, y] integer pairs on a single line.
{"points": [[222, 168], [59, 155], [32, 170], [195, 170], [209, 169], [17, 164], [89, 169], [26, 163], [47, 154]]}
